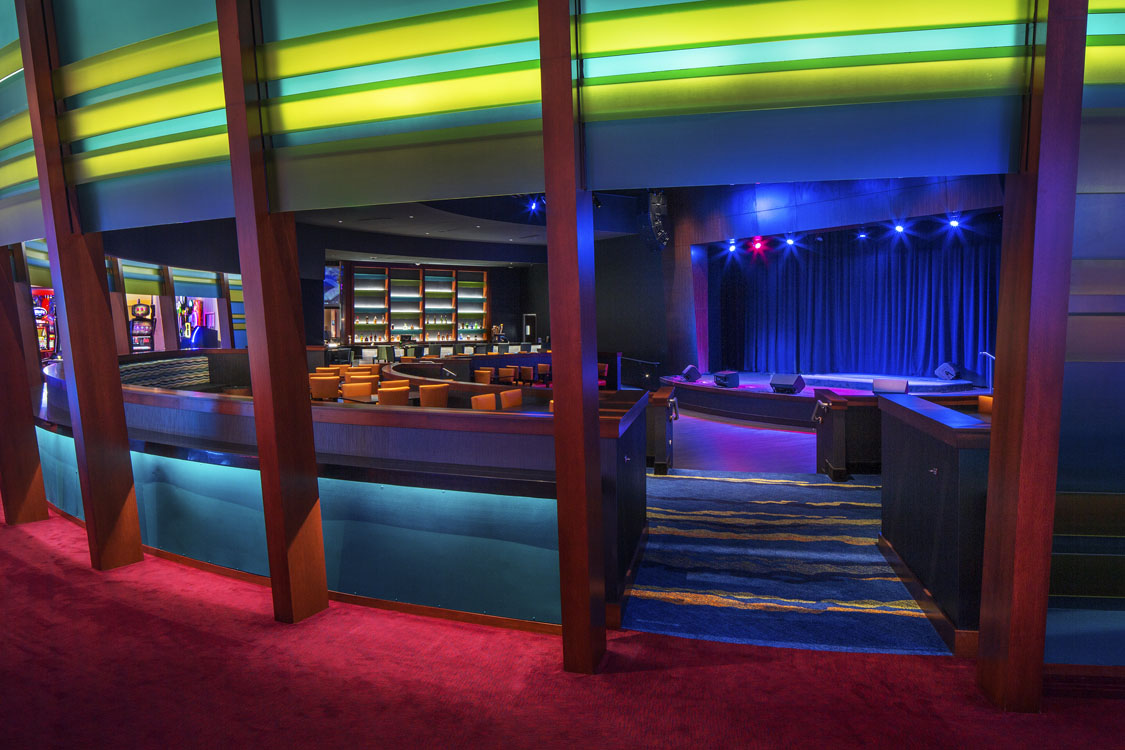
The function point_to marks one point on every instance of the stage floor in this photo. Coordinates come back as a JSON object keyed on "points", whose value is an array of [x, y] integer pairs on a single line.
{"points": [[844, 383]]}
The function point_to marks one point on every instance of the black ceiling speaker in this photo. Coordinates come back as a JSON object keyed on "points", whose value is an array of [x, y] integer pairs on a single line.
{"points": [[787, 383], [946, 371], [655, 226], [690, 373]]}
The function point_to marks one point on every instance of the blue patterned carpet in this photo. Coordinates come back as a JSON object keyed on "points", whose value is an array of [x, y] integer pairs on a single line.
{"points": [[775, 560]]}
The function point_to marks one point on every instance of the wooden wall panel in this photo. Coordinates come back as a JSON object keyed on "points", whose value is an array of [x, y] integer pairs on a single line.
{"points": [[1034, 288]]}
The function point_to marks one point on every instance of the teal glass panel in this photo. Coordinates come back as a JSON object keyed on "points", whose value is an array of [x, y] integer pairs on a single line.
{"points": [[60, 471], [287, 19], [194, 289], [492, 554], [468, 551]]}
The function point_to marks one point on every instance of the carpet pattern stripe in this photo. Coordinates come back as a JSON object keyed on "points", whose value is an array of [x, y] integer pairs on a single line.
{"points": [[783, 562]]}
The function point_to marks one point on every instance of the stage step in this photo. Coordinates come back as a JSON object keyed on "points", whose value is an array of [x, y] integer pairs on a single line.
{"points": [[1088, 566]]}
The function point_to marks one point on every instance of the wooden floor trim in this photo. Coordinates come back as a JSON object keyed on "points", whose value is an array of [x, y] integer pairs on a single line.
{"points": [[962, 643]]}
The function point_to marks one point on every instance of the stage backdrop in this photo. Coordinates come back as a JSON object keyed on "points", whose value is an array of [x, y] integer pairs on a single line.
{"points": [[891, 303]]}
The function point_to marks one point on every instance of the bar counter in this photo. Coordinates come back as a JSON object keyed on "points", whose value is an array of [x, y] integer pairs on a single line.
{"points": [[446, 508]]}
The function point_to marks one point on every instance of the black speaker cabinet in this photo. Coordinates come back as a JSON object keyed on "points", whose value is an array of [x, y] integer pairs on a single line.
{"points": [[690, 373], [889, 385], [787, 383], [946, 371], [726, 379]]}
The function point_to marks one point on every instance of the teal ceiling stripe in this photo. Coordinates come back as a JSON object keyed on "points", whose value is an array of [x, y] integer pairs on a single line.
{"points": [[401, 69], [13, 96], [20, 189], [1105, 23], [184, 126], [18, 149], [929, 40], [494, 115]]}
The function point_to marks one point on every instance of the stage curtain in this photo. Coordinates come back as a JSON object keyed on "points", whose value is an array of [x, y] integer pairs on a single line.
{"points": [[895, 304]]}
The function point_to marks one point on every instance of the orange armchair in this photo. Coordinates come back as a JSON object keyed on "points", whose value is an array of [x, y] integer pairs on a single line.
{"points": [[394, 396], [484, 402], [510, 399], [433, 395]]}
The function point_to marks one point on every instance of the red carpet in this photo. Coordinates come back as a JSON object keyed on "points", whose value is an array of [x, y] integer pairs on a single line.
{"points": [[159, 655]]}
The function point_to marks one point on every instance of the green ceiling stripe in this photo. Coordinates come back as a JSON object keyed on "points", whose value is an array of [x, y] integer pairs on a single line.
{"points": [[11, 59], [814, 64]]}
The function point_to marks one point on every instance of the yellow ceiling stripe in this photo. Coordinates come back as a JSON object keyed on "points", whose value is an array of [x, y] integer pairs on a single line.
{"points": [[687, 26], [1105, 64], [11, 59], [871, 83], [411, 100], [88, 167], [484, 26], [154, 105], [15, 171], [1104, 6], [131, 61], [15, 129]]}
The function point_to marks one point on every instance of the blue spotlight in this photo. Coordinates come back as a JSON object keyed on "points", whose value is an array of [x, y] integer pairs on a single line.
{"points": [[954, 223], [789, 241], [900, 228], [863, 235], [533, 206]]}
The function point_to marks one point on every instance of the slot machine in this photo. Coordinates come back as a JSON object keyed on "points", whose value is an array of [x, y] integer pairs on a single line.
{"points": [[45, 329], [140, 328]]}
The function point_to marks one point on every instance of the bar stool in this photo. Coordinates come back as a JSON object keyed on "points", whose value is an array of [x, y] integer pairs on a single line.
{"points": [[506, 375], [433, 395], [483, 376], [511, 399], [544, 373], [324, 388], [484, 402], [527, 375], [355, 390]]}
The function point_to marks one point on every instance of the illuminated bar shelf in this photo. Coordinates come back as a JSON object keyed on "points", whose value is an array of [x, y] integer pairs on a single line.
{"points": [[369, 305]]}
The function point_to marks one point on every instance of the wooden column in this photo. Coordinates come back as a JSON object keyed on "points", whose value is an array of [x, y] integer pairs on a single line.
{"points": [[226, 318], [1031, 342], [118, 310], [93, 381], [25, 308], [21, 477], [166, 316], [271, 287], [570, 267]]}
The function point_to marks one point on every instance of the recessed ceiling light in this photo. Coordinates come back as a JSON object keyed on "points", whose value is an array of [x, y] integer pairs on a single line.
{"points": [[339, 221], [410, 217]]}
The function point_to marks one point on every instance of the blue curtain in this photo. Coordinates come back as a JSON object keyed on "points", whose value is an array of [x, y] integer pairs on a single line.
{"points": [[894, 303]]}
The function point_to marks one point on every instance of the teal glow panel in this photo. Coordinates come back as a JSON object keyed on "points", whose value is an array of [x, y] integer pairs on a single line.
{"points": [[473, 552]]}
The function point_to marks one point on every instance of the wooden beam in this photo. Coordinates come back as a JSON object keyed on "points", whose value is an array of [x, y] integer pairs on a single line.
{"points": [[118, 309], [1034, 290], [21, 477], [93, 381], [226, 317], [570, 266], [166, 316], [271, 288], [25, 308]]}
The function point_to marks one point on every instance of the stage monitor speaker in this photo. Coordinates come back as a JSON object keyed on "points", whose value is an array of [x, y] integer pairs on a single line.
{"points": [[946, 371], [726, 379], [889, 385], [690, 373], [787, 383]]}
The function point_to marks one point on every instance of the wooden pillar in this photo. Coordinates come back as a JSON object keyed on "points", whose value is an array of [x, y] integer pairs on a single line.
{"points": [[1031, 343], [25, 308], [118, 310], [166, 316], [226, 318], [21, 477], [570, 267], [271, 287], [93, 381]]}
